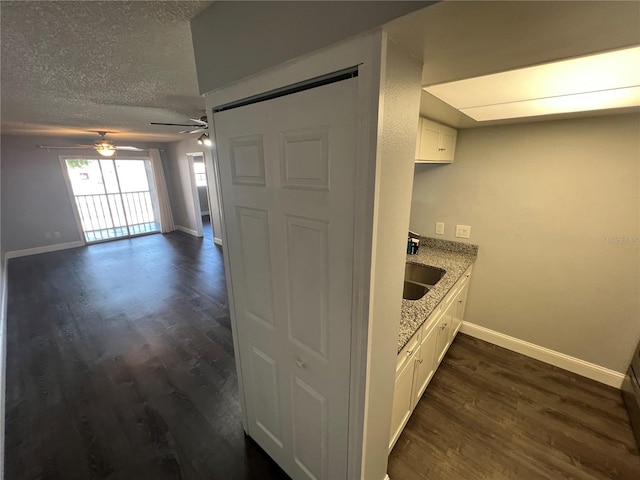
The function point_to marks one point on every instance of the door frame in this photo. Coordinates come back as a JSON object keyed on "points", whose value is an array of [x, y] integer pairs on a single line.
{"points": [[367, 52], [194, 192]]}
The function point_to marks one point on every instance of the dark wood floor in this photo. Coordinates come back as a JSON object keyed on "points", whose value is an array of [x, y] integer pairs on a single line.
{"points": [[494, 414], [120, 366]]}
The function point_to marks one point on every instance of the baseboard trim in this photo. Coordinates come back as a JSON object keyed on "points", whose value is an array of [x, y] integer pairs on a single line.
{"points": [[44, 249], [557, 359], [217, 241], [187, 230]]}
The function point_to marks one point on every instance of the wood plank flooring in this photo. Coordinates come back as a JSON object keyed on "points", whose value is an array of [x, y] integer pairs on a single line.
{"points": [[490, 413], [120, 366]]}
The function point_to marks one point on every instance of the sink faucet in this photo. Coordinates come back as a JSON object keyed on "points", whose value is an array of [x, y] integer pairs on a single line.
{"points": [[413, 243]]}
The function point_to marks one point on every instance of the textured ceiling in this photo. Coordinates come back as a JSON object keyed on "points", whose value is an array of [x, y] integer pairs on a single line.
{"points": [[69, 68]]}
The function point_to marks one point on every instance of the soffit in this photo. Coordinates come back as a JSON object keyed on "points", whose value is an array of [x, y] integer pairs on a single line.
{"points": [[465, 39], [69, 68]]}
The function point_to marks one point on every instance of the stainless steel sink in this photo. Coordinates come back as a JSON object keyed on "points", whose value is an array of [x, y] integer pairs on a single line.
{"points": [[419, 279], [413, 291]]}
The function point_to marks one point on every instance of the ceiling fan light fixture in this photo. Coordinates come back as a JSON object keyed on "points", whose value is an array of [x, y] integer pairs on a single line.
{"points": [[204, 140], [105, 148]]}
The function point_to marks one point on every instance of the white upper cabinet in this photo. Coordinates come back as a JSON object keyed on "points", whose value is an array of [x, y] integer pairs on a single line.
{"points": [[436, 143]]}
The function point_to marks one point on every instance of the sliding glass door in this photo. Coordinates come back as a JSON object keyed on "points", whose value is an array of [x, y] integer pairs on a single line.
{"points": [[114, 198]]}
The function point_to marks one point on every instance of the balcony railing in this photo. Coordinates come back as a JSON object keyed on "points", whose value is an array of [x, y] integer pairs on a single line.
{"points": [[111, 215]]}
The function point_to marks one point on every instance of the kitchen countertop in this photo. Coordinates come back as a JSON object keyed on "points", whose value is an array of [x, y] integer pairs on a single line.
{"points": [[454, 258]]}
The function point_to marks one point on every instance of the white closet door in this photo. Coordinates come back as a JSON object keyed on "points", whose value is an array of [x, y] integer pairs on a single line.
{"points": [[287, 169]]}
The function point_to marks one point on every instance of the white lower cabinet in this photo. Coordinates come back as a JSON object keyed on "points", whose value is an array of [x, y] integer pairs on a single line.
{"points": [[443, 327], [458, 314], [418, 360], [402, 398], [425, 364]]}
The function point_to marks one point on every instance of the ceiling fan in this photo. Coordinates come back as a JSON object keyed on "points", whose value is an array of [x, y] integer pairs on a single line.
{"points": [[104, 147], [199, 125]]}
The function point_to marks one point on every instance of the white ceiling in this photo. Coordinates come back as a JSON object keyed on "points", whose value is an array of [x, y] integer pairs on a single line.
{"points": [[465, 39], [71, 68]]}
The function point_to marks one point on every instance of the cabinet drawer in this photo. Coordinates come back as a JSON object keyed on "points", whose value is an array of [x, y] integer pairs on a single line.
{"points": [[408, 352], [451, 295], [431, 320]]}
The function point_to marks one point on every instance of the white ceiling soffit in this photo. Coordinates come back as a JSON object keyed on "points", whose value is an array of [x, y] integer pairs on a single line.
{"points": [[465, 39], [595, 82], [72, 68]]}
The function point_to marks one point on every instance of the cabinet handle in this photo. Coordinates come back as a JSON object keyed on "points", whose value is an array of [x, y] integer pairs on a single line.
{"points": [[409, 353], [420, 360], [441, 149], [443, 326], [300, 363]]}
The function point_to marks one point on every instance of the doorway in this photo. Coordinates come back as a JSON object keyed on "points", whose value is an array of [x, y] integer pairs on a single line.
{"points": [[201, 197], [114, 198]]}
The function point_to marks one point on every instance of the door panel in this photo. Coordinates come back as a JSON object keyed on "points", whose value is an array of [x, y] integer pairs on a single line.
{"points": [[264, 373], [307, 283], [287, 170], [309, 429], [425, 367], [254, 240], [458, 315], [402, 401], [444, 332], [247, 160]]}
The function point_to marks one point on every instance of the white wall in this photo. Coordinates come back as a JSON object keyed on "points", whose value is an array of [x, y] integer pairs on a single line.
{"points": [[180, 183], [397, 130], [542, 199], [34, 196], [233, 40]]}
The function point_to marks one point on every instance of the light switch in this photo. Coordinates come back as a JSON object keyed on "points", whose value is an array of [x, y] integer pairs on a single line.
{"points": [[439, 228], [463, 231]]}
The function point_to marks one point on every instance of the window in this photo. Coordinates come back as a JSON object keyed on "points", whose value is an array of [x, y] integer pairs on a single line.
{"points": [[201, 174]]}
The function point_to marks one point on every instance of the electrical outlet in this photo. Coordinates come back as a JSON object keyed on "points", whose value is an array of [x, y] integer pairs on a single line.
{"points": [[463, 231], [56, 234], [47, 235], [439, 228]]}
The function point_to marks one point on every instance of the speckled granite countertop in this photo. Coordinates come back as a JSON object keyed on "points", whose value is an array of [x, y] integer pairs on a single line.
{"points": [[454, 258]]}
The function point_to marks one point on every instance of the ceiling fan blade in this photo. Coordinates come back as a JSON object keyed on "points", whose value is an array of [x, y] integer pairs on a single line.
{"points": [[66, 147], [129, 148], [201, 122], [175, 124], [197, 130]]}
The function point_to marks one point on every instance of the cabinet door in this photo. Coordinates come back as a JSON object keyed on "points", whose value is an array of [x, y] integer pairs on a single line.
{"points": [[443, 328], [402, 400], [429, 140], [425, 363], [458, 314], [447, 144]]}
